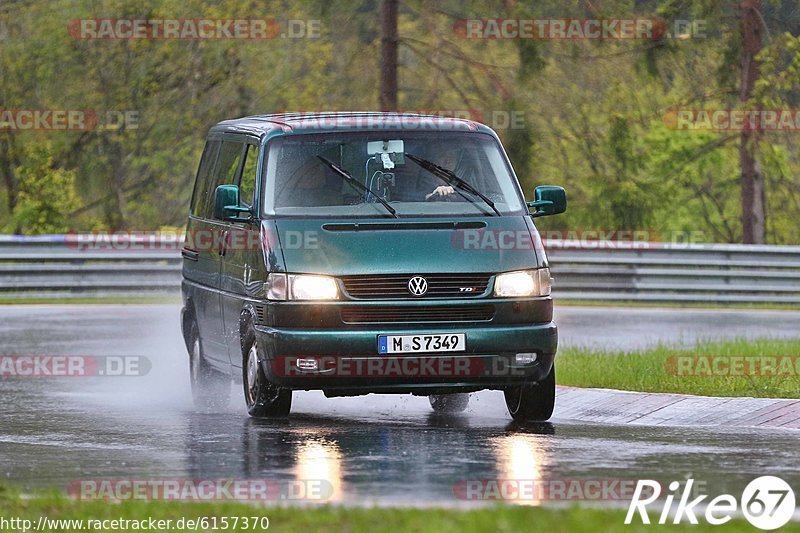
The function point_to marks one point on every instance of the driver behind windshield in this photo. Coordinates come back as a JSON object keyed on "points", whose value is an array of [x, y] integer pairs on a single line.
{"points": [[448, 158], [413, 184]]}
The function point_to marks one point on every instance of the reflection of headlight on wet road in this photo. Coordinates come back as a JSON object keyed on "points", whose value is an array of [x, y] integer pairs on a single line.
{"points": [[319, 469], [520, 458]]}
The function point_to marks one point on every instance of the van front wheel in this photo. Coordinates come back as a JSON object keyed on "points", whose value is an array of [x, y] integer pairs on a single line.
{"points": [[533, 403], [263, 399]]}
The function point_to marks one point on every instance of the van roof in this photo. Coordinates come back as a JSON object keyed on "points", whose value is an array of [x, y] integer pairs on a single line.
{"points": [[320, 122]]}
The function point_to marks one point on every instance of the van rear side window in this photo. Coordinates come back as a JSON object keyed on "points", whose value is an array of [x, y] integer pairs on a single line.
{"points": [[202, 184], [247, 185], [226, 172]]}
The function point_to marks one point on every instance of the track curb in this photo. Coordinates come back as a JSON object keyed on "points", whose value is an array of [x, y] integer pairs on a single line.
{"points": [[666, 409]]}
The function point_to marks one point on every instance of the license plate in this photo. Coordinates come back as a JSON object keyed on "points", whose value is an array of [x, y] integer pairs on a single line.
{"points": [[450, 342]]}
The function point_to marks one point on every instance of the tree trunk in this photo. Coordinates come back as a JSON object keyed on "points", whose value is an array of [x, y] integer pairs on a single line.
{"points": [[7, 170], [388, 95], [8, 164], [753, 198]]}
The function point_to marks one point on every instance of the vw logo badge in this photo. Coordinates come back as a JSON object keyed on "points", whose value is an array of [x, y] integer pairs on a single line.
{"points": [[418, 286]]}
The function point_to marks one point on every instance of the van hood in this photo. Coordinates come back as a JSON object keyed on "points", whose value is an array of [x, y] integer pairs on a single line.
{"points": [[407, 246]]}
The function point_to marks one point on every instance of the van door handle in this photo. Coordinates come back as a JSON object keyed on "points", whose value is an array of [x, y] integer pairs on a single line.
{"points": [[191, 255], [224, 242]]}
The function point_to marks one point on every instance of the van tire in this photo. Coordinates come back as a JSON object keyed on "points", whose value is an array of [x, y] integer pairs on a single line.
{"points": [[210, 389], [263, 399], [449, 403], [533, 403]]}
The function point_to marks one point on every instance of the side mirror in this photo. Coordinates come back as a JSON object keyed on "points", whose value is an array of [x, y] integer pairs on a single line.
{"points": [[226, 204], [548, 200]]}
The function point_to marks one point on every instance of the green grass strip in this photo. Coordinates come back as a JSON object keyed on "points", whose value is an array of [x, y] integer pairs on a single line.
{"points": [[763, 368]]}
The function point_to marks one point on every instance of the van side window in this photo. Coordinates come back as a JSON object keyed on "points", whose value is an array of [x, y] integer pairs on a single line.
{"points": [[247, 185], [201, 184], [226, 171]]}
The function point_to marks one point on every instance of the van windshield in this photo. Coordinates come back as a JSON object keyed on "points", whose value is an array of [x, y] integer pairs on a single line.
{"points": [[416, 173]]}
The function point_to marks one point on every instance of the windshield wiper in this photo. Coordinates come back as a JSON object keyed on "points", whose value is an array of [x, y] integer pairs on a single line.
{"points": [[346, 176], [450, 177]]}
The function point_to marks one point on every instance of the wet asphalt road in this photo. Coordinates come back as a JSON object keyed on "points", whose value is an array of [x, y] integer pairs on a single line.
{"points": [[371, 449]]}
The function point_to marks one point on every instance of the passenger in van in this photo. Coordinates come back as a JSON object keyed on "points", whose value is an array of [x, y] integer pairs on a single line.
{"points": [[312, 187]]}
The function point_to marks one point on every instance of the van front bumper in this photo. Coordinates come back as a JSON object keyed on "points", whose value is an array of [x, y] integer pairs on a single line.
{"points": [[348, 362]]}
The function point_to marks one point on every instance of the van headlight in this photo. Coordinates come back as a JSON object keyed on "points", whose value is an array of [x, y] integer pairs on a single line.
{"points": [[301, 287], [523, 283]]}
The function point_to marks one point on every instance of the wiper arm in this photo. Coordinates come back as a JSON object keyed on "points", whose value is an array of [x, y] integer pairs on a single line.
{"points": [[452, 179], [346, 176]]}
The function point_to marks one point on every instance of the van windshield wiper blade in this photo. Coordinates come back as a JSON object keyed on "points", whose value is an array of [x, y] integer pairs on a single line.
{"points": [[450, 177], [346, 176]]}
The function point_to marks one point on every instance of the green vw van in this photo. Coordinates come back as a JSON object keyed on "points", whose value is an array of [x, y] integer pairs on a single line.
{"points": [[359, 253]]}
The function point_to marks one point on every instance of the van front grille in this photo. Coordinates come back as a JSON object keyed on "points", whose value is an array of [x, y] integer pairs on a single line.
{"points": [[395, 286], [395, 314]]}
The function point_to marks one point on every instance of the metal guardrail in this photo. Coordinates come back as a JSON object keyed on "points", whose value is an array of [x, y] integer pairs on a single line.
{"points": [[664, 272], [57, 267]]}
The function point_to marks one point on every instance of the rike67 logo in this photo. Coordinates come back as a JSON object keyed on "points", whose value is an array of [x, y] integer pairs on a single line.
{"points": [[767, 502]]}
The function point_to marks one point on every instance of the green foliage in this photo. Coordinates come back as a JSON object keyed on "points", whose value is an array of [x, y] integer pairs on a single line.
{"points": [[594, 111], [780, 72], [46, 196]]}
